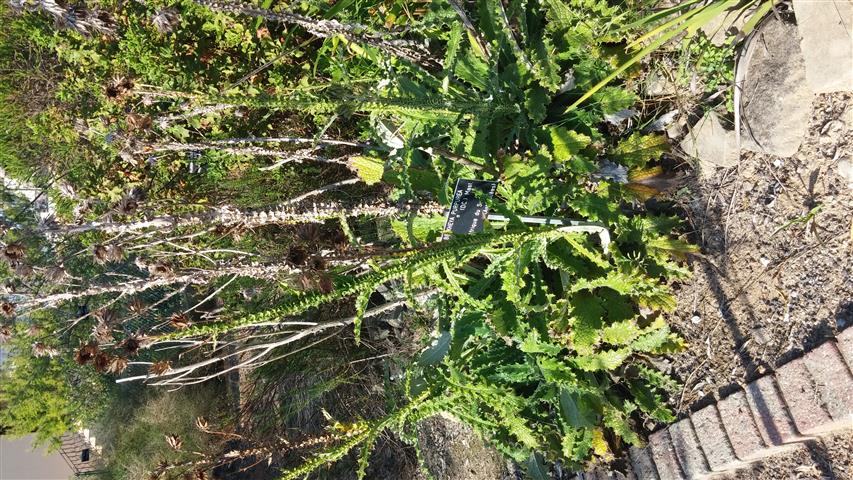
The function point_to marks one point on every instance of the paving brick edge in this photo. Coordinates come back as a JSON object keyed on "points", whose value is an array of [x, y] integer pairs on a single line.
{"points": [[808, 396]]}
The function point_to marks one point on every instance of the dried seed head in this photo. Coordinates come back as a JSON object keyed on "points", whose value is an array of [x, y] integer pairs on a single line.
{"points": [[5, 334], [34, 331], [160, 269], [306, 282], [13, 252], [7, 309], [325, 284], [296, 255], [101, 254], [101, 361], [108, 253], [117, 365], [106, 316], [55, 274], [86, 353], [317, 263], [180, 321], [23, 270], [102, 332], [119, 89], [136, 122], [309, 233], [133, 343], [136, 305], [174, 441], [127, 205], [201, 423], [165, 20], [115, 252], [42, 350], [159, 368]]}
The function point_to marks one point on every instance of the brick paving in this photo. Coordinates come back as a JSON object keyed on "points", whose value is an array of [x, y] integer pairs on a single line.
{"points": [[808, 396]]}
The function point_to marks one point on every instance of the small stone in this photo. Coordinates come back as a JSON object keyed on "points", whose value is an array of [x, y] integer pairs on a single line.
{"points": [[658, 85], [696, 319], [711, 144], [827, 43], [845, 170], [831, 133], [777, 99], [764, 262]]}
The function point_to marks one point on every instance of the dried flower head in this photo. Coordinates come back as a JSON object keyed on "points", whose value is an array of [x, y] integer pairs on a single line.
{"points": [[119, 88], [23, 270], [136, 305], [306, 282], [5, 334], [133, 343], [55, 274], [108, 253], [127, 205], [107, 316], [159, 368], [33, 331], [116, 253], [325, 284], [86, 353], [174, 441], [13, 252], [165, 20], [201, 423], [101, 253], [160, 269], [317, 263], [180, 321], [296, 255], [7, 309], [101, 362], [137, 122], [309, 233], [43, 350], [117, 365], [102, 332]]}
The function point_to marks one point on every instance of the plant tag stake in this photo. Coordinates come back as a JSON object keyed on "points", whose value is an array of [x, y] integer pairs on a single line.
{"points": [[467, 212]]}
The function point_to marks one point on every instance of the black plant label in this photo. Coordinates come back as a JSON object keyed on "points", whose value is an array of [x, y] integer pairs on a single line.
{"points": [[467, 212]]}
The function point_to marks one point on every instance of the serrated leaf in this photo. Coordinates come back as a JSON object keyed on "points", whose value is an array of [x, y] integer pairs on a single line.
{"points": [[360, 307], [599, 444], [368, 169], [576, 410], [620, 333], [604, 360], [586, 321], [566, 143], [436, 352], [555, 371], [638, 149], [536, 468], [617, 422], [533, 343]]}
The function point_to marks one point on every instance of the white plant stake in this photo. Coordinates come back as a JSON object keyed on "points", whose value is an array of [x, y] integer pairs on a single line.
{"points": [[568, 226]]}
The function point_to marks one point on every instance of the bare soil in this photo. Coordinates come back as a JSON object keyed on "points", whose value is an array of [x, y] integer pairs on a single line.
{"points": [[774, 277], [830, 457], [775, 274]]}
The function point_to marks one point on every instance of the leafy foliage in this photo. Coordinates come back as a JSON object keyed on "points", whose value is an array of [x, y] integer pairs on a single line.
{"points": [[542, 337]]}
